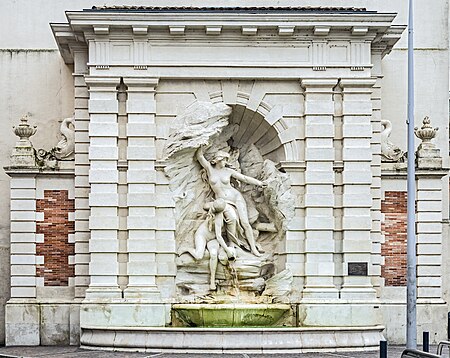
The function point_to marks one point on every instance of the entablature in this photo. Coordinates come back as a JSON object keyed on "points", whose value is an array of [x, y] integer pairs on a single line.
{"points": [[214, 39]]}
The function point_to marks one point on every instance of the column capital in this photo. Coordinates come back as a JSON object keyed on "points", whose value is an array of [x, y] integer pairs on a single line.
{"points": [[317, 83], [107, 83], [355, 83], [141, 84]]}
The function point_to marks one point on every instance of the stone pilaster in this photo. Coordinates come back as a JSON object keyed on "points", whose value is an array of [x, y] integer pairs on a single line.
{"points": [[82, 211], [319, 195], [357, 181], [376, 236], [103, 180], [429, 234], [23, 237], [141, 197]]}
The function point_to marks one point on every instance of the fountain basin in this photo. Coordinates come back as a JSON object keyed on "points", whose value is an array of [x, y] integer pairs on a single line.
{"points": [[230, 315]]}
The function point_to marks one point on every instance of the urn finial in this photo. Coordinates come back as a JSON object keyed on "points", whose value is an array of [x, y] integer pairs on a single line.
{"points": [[24, 131], [427, 132]]}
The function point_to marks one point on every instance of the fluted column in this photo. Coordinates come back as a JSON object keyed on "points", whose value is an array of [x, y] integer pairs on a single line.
{"points": [[141, 197], [357, 182], [319, 195], [103, 180]]}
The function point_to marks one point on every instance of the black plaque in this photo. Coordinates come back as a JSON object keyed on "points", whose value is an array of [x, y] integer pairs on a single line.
{"points": [[357, 269]]}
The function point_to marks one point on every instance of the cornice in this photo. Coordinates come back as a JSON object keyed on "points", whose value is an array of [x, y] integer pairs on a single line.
{"points": [[204, 27]]}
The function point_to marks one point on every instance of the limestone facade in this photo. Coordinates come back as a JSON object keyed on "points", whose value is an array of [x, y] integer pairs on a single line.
{"points": [[311, 94]]}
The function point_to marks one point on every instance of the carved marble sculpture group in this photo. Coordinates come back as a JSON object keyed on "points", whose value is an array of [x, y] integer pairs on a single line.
{"points": [[228, 201]]}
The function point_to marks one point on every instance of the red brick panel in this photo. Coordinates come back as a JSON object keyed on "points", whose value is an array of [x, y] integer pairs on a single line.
{"points": [[394, 208], [56, 228]]}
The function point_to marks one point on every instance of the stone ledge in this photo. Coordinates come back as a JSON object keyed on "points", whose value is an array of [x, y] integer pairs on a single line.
{"points": [[229, 340]]}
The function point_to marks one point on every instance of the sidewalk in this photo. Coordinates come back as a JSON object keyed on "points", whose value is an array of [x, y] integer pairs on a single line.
{"points": [[72, 352]]}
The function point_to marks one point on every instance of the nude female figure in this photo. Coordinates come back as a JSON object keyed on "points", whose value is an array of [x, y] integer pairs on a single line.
{"points": [[219, 178]]}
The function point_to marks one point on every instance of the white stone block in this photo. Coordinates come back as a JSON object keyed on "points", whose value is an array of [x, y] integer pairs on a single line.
{"points": [[141, 245], [357, 176], [141, 199], [356, 200], [318, 177], [356, 222], [429, 281], [314, 130], [323, 268], [429, 271], [429, 206], [141, 176], [357, 108], [103, 106], [319, 200], [103, 223], [318, 245], [141, 106], [22, 183], [23, 215], [429, 260], [429, 238], [319, 154], [314, 107], [23, 270], [429, 184], [141, 222], [22, 323], [429, 292], [23, 292], [103, 153], [23, 205], [429, 195], [356, 245], [319, 223], [104, 268], [141, 268], [23, 226], [429, 227], [23, 281], [103, 129], [357, 154], [429, 249], [23, 248], [141, 153], [141, 130], [103, 245], [357, 130], [429, 217], [23, 237], [23, 194], [103, 199]]}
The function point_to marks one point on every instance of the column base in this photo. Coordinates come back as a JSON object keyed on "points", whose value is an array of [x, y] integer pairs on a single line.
{"points": [[103, 292], [358, 293], [149, 293], [327, 293]]}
